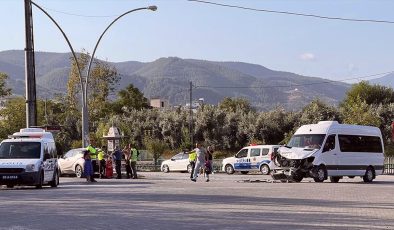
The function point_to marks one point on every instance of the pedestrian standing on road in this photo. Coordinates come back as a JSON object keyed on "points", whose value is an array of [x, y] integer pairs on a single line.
{"points": [[200, 151], [192, 161], [117, 155], [127, 155], [208, 162], [101, 161], [133, 160], [88, 167]]}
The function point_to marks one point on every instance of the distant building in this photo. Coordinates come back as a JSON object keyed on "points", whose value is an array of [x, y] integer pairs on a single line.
{"points": [[158, 103]]}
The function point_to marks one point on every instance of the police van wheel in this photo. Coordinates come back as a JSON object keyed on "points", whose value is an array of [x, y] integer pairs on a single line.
{"points": [[321, 174], [78, 171], [265, 170], [229, 169], [40, 181], [55, 181], [369, 175]]}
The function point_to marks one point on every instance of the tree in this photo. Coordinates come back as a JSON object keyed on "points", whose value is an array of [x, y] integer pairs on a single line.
{"points": [[130, 98], [13, 116], [358, 112], [155, 146], [371, 94], [233, 104], [4, 91]]}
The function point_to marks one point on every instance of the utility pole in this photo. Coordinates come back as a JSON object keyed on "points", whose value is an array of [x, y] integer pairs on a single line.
{"points": [[191, 115], [30, 77]]}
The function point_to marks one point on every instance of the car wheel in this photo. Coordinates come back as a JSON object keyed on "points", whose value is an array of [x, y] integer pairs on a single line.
{"points": [[321, 174], [244, 172], [189, 168], [166, 169], [40, 181], [265, 169], [335, 179], [229, 169], [78, 171], [55, 182], [369, 175]]}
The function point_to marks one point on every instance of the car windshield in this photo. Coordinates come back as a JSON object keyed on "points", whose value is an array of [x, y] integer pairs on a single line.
{"points": [[313, 141], [20, 150]]}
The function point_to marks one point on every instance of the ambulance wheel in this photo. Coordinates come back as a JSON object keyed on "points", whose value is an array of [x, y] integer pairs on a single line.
{"points": [[78, 171], [369, 175], [335, 179], [40, 181], [166, 169], [321, 174], [189, 168], [229, 169], [265, 169], [244, 172], [55, 182]]}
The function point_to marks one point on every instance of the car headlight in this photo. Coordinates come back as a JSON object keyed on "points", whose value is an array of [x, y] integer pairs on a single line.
{"points": [[30, 168]]}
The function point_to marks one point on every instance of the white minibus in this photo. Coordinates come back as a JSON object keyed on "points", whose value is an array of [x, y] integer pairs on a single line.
{"points": [[331, 150]]}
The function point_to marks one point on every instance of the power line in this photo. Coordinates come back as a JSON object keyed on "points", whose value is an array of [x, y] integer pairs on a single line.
{"points": [[80, 15], [294, 13], [292, 85]]}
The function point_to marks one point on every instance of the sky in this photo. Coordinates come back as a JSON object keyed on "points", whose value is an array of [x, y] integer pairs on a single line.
{"points": [[331, 49]]}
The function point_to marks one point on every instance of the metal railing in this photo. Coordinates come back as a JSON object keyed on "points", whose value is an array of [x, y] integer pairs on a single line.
{"points": [[388, 168]]}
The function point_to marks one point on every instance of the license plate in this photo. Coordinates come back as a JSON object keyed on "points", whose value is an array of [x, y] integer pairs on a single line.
{"points": [[9, 177]]}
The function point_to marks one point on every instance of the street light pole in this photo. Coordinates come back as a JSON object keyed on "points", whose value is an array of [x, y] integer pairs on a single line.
{"points": [[85, 114]]}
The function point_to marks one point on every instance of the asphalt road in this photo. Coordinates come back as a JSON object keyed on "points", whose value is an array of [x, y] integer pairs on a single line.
{"points": [[172, 201]]}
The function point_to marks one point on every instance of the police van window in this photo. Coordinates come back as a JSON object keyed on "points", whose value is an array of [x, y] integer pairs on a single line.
{"points": [[330, 143], [242, 153], [265, 152], [20, 150], [357, 143], [254, 152]]}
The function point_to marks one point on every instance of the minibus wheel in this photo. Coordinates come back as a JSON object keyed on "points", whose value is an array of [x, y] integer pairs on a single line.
{"points": [[321, 174], [369, 175], [334, 179]]}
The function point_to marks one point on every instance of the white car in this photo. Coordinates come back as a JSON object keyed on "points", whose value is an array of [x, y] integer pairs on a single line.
{"points": [[251, 158], [72, 162], [179, 162]]}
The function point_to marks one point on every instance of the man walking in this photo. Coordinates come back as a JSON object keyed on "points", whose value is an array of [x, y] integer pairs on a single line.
{"points": [[200, 160], [118, 162]]}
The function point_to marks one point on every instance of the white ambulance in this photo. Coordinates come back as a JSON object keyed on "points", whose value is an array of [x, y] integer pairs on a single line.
{"points": [[329, 149], [29, 157], [251, 158]]}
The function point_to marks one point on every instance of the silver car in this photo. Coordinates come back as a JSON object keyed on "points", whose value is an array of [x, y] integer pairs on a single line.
{"points": [[72, 162]]}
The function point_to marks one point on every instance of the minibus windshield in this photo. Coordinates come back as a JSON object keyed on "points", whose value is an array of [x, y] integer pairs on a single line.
{"points": [[312, 141], [20, 150]]}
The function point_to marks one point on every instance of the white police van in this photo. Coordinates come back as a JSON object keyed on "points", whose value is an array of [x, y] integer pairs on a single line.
{"points": [[329, 149], [251, 158], [29, 157]]}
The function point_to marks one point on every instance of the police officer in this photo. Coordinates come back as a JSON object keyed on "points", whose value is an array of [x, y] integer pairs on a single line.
{"points": [[101, 161], [192, 160], [93, 156], [133, 161]]}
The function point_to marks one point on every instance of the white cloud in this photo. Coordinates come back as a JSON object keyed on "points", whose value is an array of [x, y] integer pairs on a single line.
{"points": [[307, 56]]}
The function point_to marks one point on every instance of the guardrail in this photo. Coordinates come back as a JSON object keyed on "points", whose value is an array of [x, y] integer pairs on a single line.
{"points": [[388, 168]]}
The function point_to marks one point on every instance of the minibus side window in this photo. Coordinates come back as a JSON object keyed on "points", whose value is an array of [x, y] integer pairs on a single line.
{"points": [[330, 143]]}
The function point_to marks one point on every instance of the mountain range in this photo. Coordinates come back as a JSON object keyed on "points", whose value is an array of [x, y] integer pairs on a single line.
{"points": [[168, 78]]}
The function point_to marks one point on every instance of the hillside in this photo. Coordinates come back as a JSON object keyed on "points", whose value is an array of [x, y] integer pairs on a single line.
{"points": [[169, 78], [387, 80]]}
